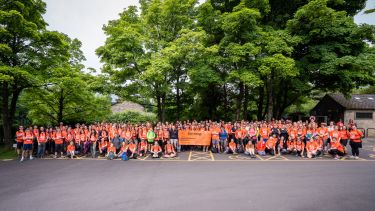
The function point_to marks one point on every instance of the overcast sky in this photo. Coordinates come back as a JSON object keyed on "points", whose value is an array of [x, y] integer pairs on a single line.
{"points": [[83, 19]]}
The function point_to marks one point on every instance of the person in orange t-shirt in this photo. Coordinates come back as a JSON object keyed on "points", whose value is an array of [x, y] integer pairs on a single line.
{"points": [[311, 148], [232, 147], [336, 149], [27, 145], [42, 139], [111, 152], [355, 141], [58, 143], [19, 138], [344, 135], [169, 151], [215, 137], [261, 148], [299, 147], [156, 150], [70, 151], [271, 145], [142, 148], [132, 150]]}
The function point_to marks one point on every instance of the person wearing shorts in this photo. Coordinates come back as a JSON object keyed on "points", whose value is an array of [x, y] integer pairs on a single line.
{"points": [[20, 134], [27, 145]]}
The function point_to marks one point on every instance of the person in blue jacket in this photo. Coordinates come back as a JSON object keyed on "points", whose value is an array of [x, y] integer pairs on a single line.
{"points": [[223, 142]]}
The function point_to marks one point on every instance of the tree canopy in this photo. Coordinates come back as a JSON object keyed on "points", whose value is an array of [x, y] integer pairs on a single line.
{"points": [[236, 59]]}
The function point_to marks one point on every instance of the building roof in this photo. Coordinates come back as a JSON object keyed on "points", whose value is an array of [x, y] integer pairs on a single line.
{"points": [[126, 106], [355, 101]]}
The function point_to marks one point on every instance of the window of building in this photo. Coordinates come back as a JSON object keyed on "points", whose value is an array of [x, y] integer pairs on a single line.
{"points": [[363, 115]]}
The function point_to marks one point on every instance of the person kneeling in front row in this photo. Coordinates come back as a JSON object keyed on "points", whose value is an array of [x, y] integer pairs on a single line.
{"points": [[232, 147], [249, 149], [111, 152], [132, 150], [261, 148], [70, 151], [169, 150], [156, 150], [336, 149]]}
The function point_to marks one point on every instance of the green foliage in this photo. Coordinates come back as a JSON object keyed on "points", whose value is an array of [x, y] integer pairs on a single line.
{"points": [[7, 153], [132, 117], [238, 58]]}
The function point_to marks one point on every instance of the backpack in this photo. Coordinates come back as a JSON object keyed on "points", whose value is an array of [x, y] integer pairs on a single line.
{"points": [[124, 157], [240, 149]]}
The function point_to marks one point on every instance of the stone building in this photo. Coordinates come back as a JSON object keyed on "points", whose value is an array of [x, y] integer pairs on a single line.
{"points": [[359, 107]]}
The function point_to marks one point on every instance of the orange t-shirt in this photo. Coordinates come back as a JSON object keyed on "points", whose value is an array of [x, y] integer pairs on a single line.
{"points": [[261, 146], [71, 148], [355, 135], [19, 136], [155, 148], [232, 145]]}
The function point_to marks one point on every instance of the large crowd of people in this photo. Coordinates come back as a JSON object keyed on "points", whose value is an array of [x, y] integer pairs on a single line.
{"points": [[252, 138]]}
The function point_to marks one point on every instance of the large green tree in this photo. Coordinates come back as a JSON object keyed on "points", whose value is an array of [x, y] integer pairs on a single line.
{"points": [[236, 59], [27, 51]]}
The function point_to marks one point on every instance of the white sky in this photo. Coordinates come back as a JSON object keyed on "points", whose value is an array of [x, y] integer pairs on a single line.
{"points": [[83, 19]]}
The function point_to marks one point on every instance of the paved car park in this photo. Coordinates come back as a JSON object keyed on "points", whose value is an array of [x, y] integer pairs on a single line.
{"points": [[193, 181]]}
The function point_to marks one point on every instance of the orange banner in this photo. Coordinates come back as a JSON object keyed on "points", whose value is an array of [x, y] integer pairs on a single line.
{"points": [[194, 137]]}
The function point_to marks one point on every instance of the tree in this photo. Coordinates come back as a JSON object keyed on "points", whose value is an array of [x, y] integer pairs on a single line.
{"points": [[27, 50], [134, 40]]}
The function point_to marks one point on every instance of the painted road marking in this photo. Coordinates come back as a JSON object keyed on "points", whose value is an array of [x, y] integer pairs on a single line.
{"points": [[201, 156], [277, 157], [212, 156], [260, 157], [238, 157]]}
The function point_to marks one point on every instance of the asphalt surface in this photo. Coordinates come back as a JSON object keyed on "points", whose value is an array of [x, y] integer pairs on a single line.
{"points": [[136, 185]]}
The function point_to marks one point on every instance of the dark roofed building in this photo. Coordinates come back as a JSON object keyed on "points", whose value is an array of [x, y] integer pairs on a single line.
{"points": [[335, 107]]}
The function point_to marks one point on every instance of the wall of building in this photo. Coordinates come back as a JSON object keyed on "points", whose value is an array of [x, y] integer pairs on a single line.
{"points": [[361, 123]]}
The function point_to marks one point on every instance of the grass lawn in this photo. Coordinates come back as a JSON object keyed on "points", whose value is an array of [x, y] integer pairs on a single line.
{"points": [[6, 153]]}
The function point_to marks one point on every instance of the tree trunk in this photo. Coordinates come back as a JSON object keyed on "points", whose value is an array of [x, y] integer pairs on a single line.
{"points": [[163, 108], [245, 102], [270, 99], [178, 99], [260, 103], [158, 101], [226, 109], [8, 111], [61, 107], [239, 101]]}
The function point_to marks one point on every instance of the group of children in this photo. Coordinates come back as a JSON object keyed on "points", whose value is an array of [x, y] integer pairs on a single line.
{"points": [[118, 140]]}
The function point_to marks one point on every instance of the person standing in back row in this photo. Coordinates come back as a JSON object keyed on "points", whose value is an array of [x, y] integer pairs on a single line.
{"points": [[355, 141]]}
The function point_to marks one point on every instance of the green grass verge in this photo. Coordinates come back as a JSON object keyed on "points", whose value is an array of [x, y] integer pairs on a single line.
{"points": [[6, 153]]}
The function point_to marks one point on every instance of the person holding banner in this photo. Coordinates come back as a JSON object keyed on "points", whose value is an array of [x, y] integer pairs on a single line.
{"points": [[215, 138]]}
